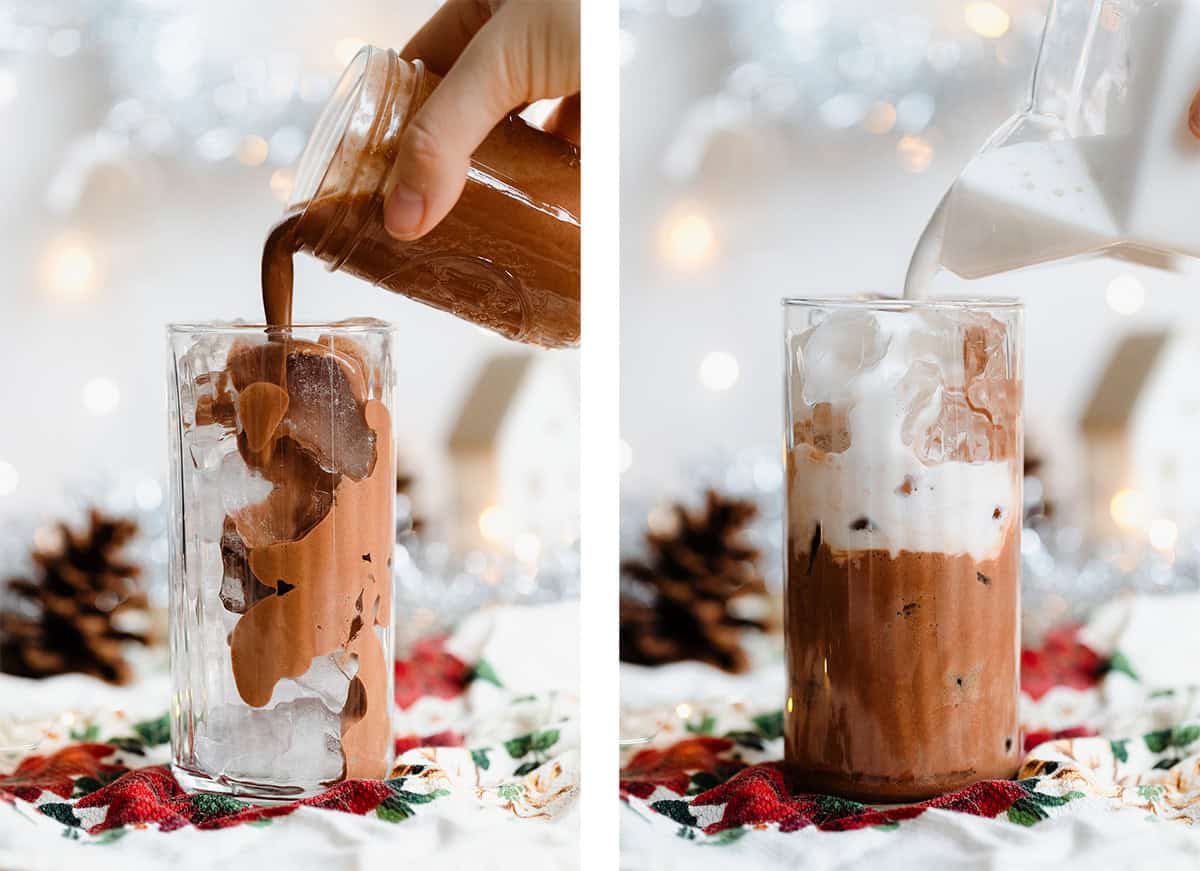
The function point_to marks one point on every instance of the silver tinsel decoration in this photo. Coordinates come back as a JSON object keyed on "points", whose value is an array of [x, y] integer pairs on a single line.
{"points": [[178, 82], [818, 68], [435, 586], [1064, 573]]}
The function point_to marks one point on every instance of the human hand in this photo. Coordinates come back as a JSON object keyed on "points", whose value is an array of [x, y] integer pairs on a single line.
{"points": [[495, 56]]}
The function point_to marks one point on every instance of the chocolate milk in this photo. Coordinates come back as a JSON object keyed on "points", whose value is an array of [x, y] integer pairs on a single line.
{"points": [[308, 569], [904, 517], [901, 679]]}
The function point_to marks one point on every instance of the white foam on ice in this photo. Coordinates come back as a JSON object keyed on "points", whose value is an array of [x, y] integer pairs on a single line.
{"points": [[858, 495]]}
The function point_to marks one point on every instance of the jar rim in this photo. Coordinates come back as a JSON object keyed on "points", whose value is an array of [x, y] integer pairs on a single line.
{"points": [[330, 129]]}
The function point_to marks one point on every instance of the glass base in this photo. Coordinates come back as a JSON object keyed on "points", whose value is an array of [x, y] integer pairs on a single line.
{"points": [[259, 793]]}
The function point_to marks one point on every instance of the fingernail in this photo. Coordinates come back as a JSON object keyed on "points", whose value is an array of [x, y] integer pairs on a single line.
{"points": [[403, 211]]}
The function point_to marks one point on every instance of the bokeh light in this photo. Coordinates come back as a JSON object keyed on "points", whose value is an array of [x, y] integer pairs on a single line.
{"points": [[101, 396], [282, 181], [69, 268], [881, 118], [689, 240], [9, 478], [987, 19], [718, 370], [1125, 295], [527, 547], [495, 525], [915, 153], [1128, 509], [253, 150], [1163, 533]]}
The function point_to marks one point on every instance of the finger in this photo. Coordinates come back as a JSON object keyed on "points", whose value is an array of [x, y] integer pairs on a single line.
{"points": [[436, 146], [443, 37], [564, 121]]}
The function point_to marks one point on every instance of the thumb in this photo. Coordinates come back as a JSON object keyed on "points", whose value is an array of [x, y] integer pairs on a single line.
{"points": [[435, 148]]}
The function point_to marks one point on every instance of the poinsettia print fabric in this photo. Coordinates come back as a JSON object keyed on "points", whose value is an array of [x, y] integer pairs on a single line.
{"points": [[475, 736], [1101, 733]]}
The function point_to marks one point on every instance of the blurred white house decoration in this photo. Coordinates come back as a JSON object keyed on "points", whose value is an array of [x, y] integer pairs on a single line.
{"points": [[515, 455], [1138, 429]]}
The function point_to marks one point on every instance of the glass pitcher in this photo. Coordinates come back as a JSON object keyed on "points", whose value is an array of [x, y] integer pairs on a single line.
{"points": [[1105, 153]]}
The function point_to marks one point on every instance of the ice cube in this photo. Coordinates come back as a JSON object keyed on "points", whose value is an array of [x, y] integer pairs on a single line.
{"points": [[921, 392], [205, 448], [994, 393], [326, 387], [836, 350], [207, 513], [826, 427], [240, 589], [959, 434], [326, 417], [240, 486], [983, 341], [327, 679], [299, 741], [939, 341], [300, 497]]}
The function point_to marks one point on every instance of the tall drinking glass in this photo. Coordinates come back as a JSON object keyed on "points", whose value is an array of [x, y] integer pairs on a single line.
{"points": [[282, 501], [903, 523]]}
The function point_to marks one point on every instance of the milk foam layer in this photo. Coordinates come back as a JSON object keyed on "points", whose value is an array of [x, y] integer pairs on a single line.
{"points": [[877, 493]]}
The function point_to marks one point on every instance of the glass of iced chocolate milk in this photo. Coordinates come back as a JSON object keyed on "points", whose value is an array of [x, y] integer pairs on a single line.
{"points": [[904, 441], [282, 532]]}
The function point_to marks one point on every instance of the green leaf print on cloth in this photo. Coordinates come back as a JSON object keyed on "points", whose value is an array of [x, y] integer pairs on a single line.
{"points": [[399, 805], [535, 744], [483, 671]]}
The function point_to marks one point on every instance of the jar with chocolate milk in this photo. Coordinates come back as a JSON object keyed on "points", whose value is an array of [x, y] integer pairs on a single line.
{"points": [[506, 257]]}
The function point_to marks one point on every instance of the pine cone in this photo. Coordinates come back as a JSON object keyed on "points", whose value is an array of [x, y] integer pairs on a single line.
{"points": [[69, 627], [1043, 508], [693, 575], [412, 521]]}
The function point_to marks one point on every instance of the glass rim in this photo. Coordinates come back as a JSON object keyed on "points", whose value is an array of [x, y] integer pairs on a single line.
{"points": [[949, 303], [239, 327]]}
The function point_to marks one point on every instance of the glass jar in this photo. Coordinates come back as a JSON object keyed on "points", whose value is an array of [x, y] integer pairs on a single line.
{"points": [[1102, 154], [282, 504], [506, 257], [903, 525]]}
